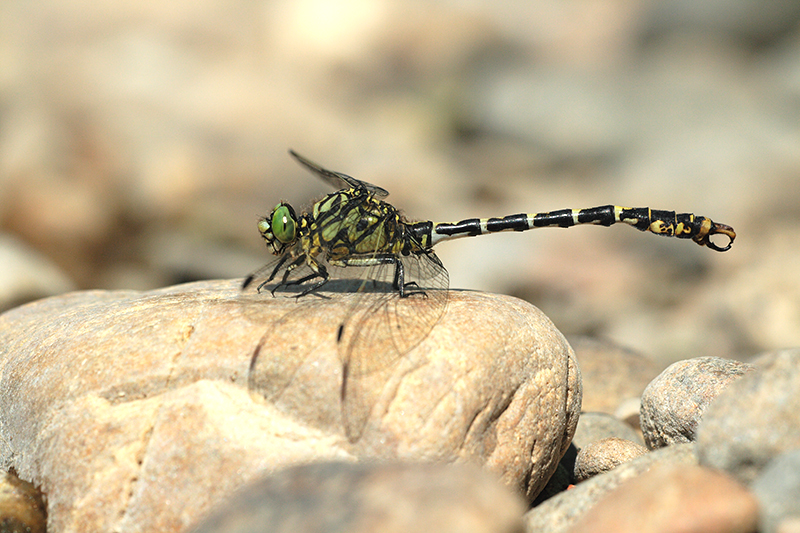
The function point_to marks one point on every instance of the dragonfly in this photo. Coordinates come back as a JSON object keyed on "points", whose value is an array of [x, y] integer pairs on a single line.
{"points": [[399, 283]]}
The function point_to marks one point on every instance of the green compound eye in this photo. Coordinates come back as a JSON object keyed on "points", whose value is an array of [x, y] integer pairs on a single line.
{"points": [[283, 224]]}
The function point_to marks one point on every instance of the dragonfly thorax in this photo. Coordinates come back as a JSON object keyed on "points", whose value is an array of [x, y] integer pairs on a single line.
{"points": [[352, 223]]}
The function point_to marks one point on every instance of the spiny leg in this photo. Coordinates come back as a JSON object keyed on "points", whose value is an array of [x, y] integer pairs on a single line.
{"points": [[275, 270], [317, 271], [398, 281], [250, 278]]}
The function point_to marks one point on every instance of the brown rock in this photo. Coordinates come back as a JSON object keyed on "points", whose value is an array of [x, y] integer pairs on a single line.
{"points": [[370, 497], [132, 410], [604, 455], [673, 404], [682, 499]]}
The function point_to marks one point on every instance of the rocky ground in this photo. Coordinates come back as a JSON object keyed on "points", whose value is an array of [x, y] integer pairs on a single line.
{"points": [[140, 142]]}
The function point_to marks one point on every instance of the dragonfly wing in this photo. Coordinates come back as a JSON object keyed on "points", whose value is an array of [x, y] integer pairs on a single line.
{"points": [[383, 327], [339, 180], [280, 353]]}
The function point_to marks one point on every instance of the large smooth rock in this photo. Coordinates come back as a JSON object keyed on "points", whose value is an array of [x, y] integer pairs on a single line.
{"points": [[138, 411]]}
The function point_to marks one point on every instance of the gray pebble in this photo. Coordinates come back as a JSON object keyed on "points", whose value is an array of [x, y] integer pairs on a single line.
{"points": [[777, 488], [674, 402], [604, 455], [755, 419]]}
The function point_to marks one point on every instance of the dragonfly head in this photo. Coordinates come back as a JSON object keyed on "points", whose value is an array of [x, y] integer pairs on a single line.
{"points": [[280, 228]]}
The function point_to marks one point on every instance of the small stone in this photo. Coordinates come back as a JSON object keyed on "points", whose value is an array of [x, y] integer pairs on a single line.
{"points": [[755, 419], [604, 455], [611, 373], [593, 427], [673, 404], [689, 499], [777, 488], [369, 497]]}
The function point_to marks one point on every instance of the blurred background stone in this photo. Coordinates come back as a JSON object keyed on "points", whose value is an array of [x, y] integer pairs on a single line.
{"points": [[593, 427], [26, 274], [369, 497], [611, 373], [140, 142], [690, 499], [777, 488], [561, 512], [628, 412]]}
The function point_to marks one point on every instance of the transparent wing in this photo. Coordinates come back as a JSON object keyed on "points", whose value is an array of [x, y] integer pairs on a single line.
{"points": [[378, 329], [339, 180], [280, 353], [383, 327], [383, 319]]}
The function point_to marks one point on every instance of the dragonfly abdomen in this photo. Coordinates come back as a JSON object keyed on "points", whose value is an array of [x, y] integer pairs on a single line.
{"points": [[668, 223]]}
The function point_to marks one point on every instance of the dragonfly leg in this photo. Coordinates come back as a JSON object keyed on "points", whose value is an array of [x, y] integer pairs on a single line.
{"points": [[317, 271], [275, 270], [398, 283], [249, 279]]}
